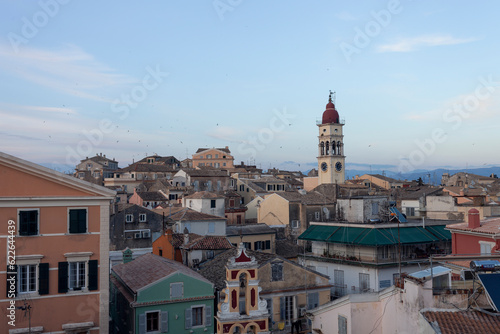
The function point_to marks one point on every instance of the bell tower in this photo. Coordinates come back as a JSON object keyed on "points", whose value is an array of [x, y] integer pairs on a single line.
{"points": [[331, 158]]}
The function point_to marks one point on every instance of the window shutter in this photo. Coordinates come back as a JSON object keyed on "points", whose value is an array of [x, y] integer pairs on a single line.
{"points": [[73, 221], [93, 275], [282, 308], [12, 273], [208, 315], [268, 244], [312, 300], [187, 318], [82, 220], [63, 277], [33, 222], [164, 321], [43, 278], [23, 229], [142, 323]]}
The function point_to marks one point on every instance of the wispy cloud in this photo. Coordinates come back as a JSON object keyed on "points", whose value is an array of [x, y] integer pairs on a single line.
{"points": [[486, 109], [419, 42], [68, 69]]}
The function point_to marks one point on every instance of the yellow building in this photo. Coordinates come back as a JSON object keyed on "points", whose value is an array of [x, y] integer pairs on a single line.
{"points": [[213, 157]]}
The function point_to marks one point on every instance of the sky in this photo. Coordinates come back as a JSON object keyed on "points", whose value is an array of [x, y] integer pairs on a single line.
{"points": [[416, 82]]}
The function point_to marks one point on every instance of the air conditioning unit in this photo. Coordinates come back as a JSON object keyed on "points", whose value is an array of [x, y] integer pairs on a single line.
{"points": [[137, 235], [302, 311], [146, 234]]}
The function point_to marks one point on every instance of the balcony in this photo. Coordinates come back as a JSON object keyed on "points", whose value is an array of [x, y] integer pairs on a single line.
{"points": [[376, 258]]}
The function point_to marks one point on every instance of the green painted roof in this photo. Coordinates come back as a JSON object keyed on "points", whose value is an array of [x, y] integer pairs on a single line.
{"points": [[440, 232], [374, 236]]}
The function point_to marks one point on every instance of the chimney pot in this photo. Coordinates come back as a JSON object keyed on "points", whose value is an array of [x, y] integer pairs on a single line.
{"points": [[474, 219]]}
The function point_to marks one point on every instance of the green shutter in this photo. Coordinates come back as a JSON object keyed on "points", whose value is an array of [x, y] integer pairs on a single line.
{"points": [[63, 277], [93, 275], [43, 278]]}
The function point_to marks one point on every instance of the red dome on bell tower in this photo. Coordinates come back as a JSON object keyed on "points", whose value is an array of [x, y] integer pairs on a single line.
{"points": [[330, 115]]}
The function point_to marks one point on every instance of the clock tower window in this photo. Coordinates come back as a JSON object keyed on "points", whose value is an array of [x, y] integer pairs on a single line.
{"points": [[327, 148], [322, 148]]}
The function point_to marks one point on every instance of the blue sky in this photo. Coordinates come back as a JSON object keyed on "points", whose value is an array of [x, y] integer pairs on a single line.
{"points": [[416, 82]]}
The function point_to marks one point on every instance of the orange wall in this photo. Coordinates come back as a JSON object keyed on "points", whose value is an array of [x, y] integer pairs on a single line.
{"points": [[16, 183]]}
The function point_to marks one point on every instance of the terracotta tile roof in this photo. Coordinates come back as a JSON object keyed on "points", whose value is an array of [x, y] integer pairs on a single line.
{"points": [[152, 196], [125, 292], [145, 167], [186, 214], [488, 226], [288, 249], [178, 238], [205, 172], [209, 243], [149, 268], [466, 322], [203, 194], [225, 149], [215, 270], [310, 198], [235, 230], [416, 192]]}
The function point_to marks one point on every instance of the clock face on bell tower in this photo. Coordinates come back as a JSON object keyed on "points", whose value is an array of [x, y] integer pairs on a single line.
{"points": [[331, 158]]}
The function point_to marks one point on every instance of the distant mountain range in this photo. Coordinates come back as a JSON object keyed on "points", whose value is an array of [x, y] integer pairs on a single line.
{"points": [[429, 176]]}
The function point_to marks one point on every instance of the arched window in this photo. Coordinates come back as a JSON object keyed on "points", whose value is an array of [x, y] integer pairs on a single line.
{"points": [[327, 151], [322, 148], [242, 297], [339, 148], [333, 147]]}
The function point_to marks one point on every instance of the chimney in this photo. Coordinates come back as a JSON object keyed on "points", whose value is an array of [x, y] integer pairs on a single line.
{"points": [[127, 255], [474, 219]]}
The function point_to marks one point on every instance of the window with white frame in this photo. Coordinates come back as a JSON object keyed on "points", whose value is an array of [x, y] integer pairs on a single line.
{"points": [[32, 275], [27, 277], [142, 217], [28, 222], [152, 321], [77, 220], [77, 275], [295, 223], [198, 316], [486, 247], [129, 218]]}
